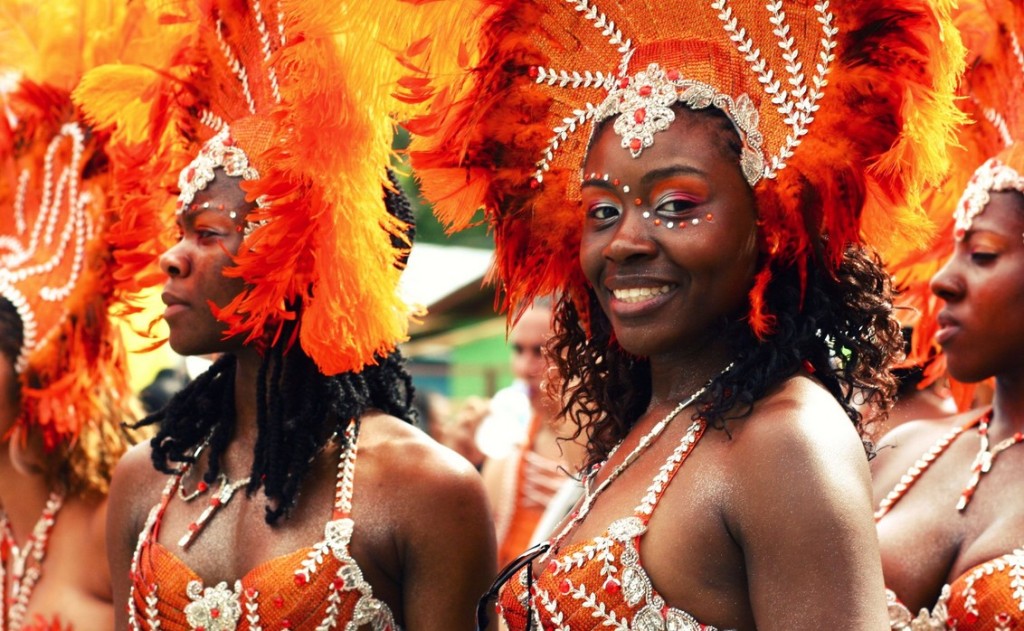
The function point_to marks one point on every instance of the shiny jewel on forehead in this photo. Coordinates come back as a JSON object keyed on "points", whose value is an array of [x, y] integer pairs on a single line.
{"points": [[220, 151], [993, 176]]}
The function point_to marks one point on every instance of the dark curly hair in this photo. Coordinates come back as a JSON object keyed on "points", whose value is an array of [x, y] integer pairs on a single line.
{"points": [[299, 409], [837, 324]]}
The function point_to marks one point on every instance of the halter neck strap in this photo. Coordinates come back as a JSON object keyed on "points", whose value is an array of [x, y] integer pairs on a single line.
{"points": [[668, 470]]}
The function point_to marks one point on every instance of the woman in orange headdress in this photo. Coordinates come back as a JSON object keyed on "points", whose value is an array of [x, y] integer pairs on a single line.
{"points": [[698, 183], [63, 389], [272, 125], [950, 516]]}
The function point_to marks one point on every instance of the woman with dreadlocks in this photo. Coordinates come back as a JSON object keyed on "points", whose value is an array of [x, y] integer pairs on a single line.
{"points": [[285, 488], [719, 305]]}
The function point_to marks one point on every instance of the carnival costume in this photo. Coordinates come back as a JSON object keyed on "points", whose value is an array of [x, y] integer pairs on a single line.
{"points": [[992, 31], [298, 100], [989, 596], [57, 269], [843, 113]]}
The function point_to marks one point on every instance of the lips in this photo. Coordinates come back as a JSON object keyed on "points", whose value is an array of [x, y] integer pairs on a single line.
{"points": [[948, 328], [174, 304], [633, 296]]}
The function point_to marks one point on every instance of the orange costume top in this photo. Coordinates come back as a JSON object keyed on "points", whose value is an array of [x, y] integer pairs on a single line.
{"points": [[987, 597], [601, 583], [320, 587]]}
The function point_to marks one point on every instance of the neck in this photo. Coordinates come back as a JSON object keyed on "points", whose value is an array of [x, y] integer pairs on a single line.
{"points": [[22, 497], [1008, 406], [247, 370], [676, 377]]}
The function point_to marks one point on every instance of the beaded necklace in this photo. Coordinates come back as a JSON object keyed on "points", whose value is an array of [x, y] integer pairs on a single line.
{"points": [[26, 561], [590, 496], [983, 461]]}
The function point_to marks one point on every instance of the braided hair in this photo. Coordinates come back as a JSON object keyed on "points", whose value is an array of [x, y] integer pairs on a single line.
{"points": [[299, 408]]}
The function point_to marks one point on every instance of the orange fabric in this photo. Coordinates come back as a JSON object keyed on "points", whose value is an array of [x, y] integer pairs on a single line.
{"points": [[520, 531], [879, 132], [593, 584], [283, 602]]}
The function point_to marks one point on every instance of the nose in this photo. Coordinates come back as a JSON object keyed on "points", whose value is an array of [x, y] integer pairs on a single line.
{"points": [[174, 262], [948, 283], [632, 238]]}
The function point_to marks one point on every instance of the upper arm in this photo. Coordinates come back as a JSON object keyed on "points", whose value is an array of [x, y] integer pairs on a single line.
{"points": [[449, 552], [125, 508], [803, 516]]}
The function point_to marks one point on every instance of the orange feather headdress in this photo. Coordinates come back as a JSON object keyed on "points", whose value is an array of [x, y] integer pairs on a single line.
{"points": [[992, 31], [55, 266], [844, 111], [302, 96]]}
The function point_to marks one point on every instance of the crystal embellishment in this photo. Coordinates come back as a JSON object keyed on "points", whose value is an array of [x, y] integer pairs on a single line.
{"points": [[213, 608]]}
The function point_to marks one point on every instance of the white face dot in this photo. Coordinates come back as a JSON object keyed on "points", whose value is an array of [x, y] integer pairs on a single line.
{"points": [[647, 215], [625, 188]]}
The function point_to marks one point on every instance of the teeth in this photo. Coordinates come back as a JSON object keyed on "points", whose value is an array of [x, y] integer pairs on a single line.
{"points": [[639, 294]]}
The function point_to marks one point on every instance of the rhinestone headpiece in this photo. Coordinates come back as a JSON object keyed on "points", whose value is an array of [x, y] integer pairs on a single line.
{"points": [[220, 151], [993, 176], [643, 105]]}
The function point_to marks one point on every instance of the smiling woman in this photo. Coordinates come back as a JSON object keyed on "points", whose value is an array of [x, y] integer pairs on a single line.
{"points": [[706, 247]]}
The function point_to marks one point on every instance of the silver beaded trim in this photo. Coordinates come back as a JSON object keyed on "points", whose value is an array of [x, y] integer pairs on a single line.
{"points": [[643, 101], [993, 176]]}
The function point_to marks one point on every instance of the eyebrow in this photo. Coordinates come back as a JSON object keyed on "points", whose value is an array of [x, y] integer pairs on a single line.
{"points": [[651, 176]]}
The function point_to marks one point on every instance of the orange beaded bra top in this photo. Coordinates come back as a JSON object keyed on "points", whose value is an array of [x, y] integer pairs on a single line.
{"points": [[319, 587]]}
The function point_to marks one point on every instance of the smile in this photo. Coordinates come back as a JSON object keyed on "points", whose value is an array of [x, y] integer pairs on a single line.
{"points": [[640, 294]]}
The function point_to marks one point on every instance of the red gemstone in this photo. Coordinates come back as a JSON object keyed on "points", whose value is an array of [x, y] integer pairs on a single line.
{"points": [[639, 115], [1003, 618], [286, 624], [644, 90], [635, 144], [958, 234], [533, 72], [983, 431], [202, 486], [615, 182], [673, 75], [971, 617], [200, 628], [552, 567], [534, 184], [215, 613], [194, 527], [339, 584], [191, 174], [612, 586], [301, 580], [278, 602], [1018, 437], [215, 502], [250, 592], [564, 586], [624, 82], [709, 217], [229, 142]]}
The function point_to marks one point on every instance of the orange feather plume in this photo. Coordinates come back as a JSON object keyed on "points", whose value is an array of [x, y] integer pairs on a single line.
{"points": [[311, 92], [874, 79]]}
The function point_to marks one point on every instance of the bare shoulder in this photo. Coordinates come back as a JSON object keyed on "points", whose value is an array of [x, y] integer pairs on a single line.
{"points": [[134, 489], [899, 449], [428, 470], [799, 424]]}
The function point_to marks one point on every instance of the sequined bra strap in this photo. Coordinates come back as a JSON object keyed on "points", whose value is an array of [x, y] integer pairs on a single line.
{"points": [[923, 463], [346, 473], [668, 470]]}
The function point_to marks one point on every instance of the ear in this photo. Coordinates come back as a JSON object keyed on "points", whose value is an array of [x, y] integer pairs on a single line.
{"points": [[26, 451]]}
